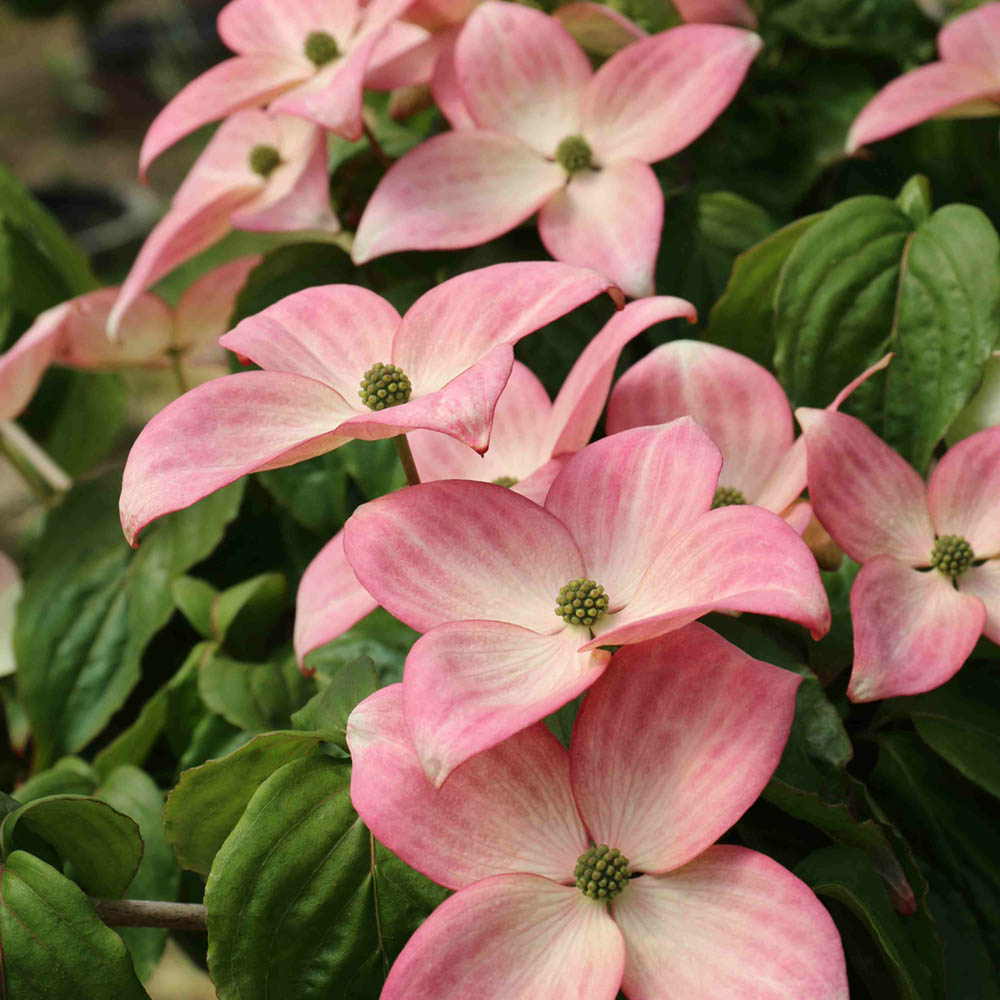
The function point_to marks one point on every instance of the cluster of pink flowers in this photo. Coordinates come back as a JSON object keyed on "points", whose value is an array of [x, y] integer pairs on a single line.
{"points": [[536, 565]]}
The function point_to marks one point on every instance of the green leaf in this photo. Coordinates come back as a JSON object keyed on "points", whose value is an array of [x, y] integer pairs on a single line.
{"points": [[90, 607], [102, 845], [17, 205], [379, 636], [315, 492], [327, 711], [135, 794], [88, 420], [195, 599], [53, 946], [961, 721], [298, 863], [246, 615], [915, 199], [836, 297], [68, 776], [845, 875], [254, 696], [743, 319], [209, 800]]}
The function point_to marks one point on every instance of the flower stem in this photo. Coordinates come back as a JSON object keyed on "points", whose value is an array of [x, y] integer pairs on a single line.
{"points": [[151, 913], [376, 147], [406, 459], [43, 476]]}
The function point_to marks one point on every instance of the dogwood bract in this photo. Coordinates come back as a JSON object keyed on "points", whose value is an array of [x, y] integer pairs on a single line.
{"points": [[743, 408], [964, 83], [339, 363], [555, 137], [265, 173], [304, 57], [516, 599], [74, 333], [580, 872], [929, 584], [528, 431]]}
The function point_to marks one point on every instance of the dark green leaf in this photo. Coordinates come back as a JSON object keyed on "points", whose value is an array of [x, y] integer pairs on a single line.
{"points": [[845, 874], [327, 712], [195, 599], [245, 616], [69, 776], [382, 638], [103, 847], [209, 800], [53, 946], [299, 864]]}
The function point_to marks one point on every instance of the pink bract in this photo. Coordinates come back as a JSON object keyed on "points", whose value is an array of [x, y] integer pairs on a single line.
{"points": [[74, 334], [671, 746], [456, 346], [630, 513], [233, 186], [963, 83], [529, 431], [276, 43], [528, 89], [914, 624], [743, 408]]}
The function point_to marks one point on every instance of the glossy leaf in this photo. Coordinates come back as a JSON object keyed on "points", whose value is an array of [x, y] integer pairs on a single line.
{"points": [[327, 711]]}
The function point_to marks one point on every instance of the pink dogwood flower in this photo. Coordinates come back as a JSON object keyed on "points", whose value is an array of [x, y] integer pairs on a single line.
{"points": [[584, 871], [515, 599], [929, 584], [261, 172], [304, 57], [743, 408], [529, 431], [74, 334], [963, 83], [338, 364], [554, 137]]}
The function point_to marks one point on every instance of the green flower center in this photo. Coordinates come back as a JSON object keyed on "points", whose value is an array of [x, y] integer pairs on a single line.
{"points": [[507, 481], [321, 48], [384, 385], [952, 555], [727, 496], [581, 602], [601, 873], [573, 154], [264, 160]]}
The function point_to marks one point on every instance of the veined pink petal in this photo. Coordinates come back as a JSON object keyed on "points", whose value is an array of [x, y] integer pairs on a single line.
{"points": [[935, 89], [963, 493], [870, 500], [610, 220], [522, 74], [22, 367], [284, 25], [912, 630], [243, 82], [435, 553], [332, 333], [739, 403], [581, 399], [624, 497], [798, 515], [598, 28], [332, 97], [973, 38], [455, 190], [738, 558], [536, 486], [731, 923], [658, 95], [404, 57], [454, 325], [184, 231], [517, 446], [330, 600], [984, 582], [445, 89], [202, 313], [220, 431], [468, 685], [717, 12], [507, 809], [675, 742], [10, 594], [510, 937]]}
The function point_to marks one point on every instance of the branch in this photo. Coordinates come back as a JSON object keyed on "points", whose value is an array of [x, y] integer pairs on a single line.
{"points": [[150, 913]]}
